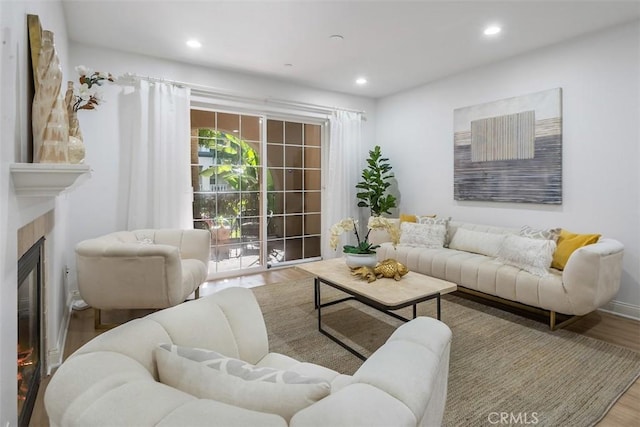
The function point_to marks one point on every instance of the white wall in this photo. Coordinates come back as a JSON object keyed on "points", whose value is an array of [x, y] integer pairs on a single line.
{"points": [[17, 212], [94, 206], [599, 75]]}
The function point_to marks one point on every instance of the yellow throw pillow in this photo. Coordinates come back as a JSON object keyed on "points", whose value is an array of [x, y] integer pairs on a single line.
{"points": [[568, 242], [408, 218]]}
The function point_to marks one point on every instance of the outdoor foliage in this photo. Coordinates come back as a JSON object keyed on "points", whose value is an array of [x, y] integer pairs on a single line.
{"points": [[237, 164]]}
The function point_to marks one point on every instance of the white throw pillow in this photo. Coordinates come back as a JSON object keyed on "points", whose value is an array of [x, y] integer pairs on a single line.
{"points": [[209, 375], [422, 235], [478, 242], [532, 255]]}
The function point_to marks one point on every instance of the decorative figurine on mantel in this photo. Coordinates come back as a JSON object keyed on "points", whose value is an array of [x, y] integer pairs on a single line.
{"points": [[85, 97], [48, 115], [56, 131]]}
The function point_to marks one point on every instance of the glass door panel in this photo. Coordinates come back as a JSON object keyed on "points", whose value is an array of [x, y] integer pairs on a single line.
{"points": [[294, 163], [257, 217], [227, 179]]}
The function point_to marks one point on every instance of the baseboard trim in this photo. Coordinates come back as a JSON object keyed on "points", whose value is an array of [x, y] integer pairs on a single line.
{"points": [[622, 309], [55, 355]]}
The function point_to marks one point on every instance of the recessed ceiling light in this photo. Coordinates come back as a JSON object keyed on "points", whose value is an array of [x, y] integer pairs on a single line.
{"points": [[193, 43], [288, 64], [492, 30], [336, 37], [361, 81]]}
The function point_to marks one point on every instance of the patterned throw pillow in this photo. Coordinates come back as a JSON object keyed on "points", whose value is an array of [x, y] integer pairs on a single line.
{"points": [[422, 235], [533, 233], [210, 375], [434, 220], [532, 255], [478, 242], [437, 221]]}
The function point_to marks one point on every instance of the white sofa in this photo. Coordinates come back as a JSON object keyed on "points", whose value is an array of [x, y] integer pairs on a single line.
{"points": [[142, 268], [590, 279], [113, 379]]}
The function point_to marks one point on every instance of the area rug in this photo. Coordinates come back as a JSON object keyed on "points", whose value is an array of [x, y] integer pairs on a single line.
{"points": [[501, 363]]}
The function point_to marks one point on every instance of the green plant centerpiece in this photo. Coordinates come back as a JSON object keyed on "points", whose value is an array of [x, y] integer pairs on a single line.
{"points": [[373, 195], [363, 247]]}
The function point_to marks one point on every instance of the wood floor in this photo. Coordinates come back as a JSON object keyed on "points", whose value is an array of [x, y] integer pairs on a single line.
{"points": [[599, 325]]}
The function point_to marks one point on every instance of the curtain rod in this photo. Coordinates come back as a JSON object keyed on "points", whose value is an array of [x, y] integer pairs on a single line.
{"points": [[199, 89]]}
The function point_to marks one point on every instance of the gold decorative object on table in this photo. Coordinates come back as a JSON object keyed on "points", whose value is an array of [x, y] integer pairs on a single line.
{"points": [[365, 273], [389, 268]]}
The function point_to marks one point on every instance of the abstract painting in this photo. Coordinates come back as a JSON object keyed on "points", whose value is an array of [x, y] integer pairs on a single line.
{"points": [[510, 150]]}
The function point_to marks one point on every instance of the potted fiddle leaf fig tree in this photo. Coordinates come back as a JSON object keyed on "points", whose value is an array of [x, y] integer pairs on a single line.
{"points": [[373, 195], [375, 183]]}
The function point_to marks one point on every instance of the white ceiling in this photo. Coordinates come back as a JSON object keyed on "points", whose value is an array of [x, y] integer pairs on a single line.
{"points": [[395, 44]]}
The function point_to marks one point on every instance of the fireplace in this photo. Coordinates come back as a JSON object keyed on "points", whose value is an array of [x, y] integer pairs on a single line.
{"points": [[30, 363]]}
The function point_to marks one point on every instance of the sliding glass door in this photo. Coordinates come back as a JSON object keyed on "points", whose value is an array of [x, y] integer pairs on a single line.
{"points": [[294, 165], [257, 184]]}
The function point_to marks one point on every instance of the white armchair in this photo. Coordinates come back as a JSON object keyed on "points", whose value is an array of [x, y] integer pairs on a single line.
{"points": [[142, 268]]}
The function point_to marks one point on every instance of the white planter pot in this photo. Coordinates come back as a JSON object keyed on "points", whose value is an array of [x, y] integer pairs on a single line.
{"points": [[360, 260]]}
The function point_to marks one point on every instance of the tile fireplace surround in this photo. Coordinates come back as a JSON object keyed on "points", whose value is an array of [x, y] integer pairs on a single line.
{"points": [[32, 232], [32, 330]]}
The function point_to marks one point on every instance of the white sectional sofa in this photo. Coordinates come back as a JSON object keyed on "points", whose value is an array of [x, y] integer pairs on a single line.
{"points": [[590, 279], [114, 380]]}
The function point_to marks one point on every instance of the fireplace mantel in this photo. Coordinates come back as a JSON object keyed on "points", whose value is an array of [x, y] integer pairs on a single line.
{"points": [[46, 179]]}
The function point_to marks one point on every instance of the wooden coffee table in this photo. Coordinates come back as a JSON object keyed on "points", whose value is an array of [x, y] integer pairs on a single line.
{"points": [[384, 295]]}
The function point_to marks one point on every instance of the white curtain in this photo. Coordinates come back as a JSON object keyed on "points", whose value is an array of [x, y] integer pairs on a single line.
{"points": [[342, 172], [155, 177]]}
